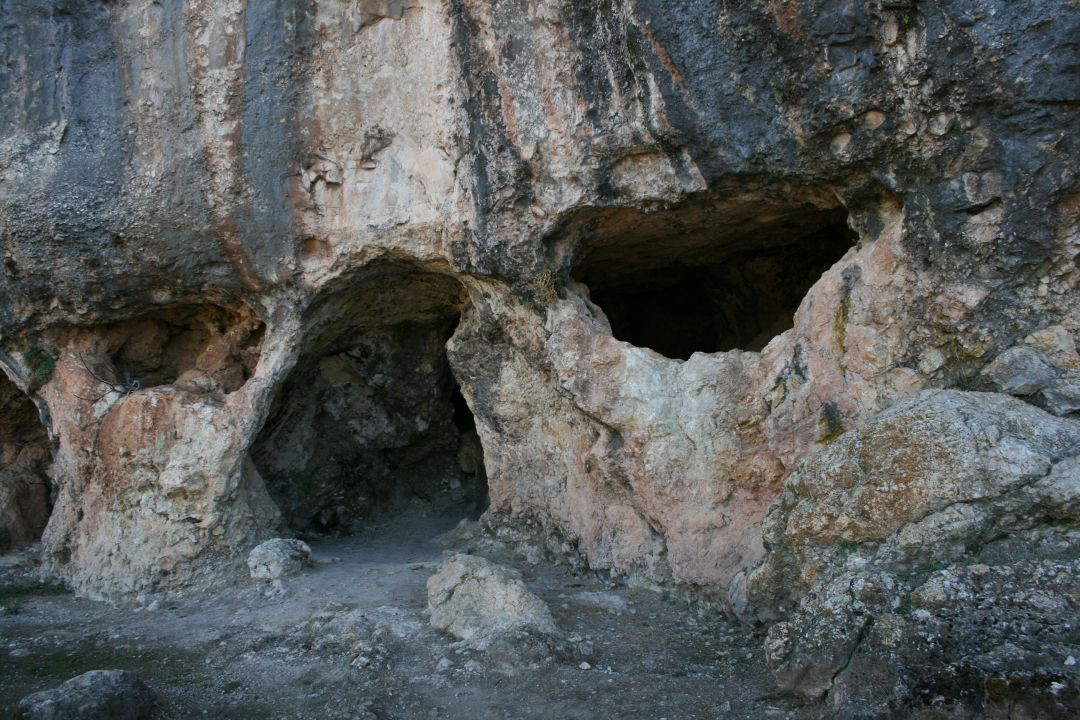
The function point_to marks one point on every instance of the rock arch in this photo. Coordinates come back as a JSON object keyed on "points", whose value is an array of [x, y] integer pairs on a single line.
{"points": [[371, 416]]}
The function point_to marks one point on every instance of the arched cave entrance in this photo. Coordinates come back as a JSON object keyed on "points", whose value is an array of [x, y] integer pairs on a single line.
{"points": [[707, 276], [25, 455], [371, 421]]}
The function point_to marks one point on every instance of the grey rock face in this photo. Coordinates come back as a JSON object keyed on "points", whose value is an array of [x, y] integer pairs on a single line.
{"points": [[667, 250], [932, 553], [1062, 397], [1020, 371], [96, 695], [973, 639], [925, 481]]}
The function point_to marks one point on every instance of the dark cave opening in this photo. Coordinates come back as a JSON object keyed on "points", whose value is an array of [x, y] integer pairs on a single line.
{"points": [[371, 422], [25, 455], [706, 277]]}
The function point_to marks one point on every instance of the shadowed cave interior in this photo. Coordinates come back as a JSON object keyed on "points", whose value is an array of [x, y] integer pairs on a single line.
{"points": [[198, 348], [370, 421], [24, 462], [706, 277]]}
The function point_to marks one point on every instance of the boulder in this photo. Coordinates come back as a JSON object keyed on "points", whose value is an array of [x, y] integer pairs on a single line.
{"points": [[96, 695], [927, 557], [923, 482], [1062, 397], [481, 603], [988, 640], [278, 558]]}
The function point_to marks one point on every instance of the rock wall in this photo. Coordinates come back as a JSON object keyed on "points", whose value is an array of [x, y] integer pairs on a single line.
{"points": [[827, 205]]}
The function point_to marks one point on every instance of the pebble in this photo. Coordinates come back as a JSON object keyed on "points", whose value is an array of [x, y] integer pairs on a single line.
{"points": [[585, 666]]}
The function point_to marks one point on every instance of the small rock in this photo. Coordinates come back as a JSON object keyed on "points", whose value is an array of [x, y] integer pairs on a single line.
{"points": [[611, 602], [1061, 397], [585, 666], [1020, 371], [466, 531], [277, 558], [96, 695]]}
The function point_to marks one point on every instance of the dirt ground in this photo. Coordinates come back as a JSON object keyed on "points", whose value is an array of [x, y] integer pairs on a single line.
{"points": [[242, 652]]}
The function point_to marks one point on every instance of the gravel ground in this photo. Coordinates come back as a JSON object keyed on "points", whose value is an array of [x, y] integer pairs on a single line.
{"points": [[242, 652]]}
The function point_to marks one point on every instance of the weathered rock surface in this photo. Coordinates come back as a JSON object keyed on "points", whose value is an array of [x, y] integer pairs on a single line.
{"points": [[96, 695], [926, 481], [484, 604], [254, 181], [971, 640], [678, 248], [931, 553], [277, 558]]}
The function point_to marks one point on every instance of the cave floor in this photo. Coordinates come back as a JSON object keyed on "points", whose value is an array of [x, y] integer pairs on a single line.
{"points": [[240, 652]]}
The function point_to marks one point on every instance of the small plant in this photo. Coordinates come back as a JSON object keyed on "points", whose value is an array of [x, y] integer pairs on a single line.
{"points": [[541, 290], [921, 571], [40, 365], [846, 549], [125, 387], [833, 422]]}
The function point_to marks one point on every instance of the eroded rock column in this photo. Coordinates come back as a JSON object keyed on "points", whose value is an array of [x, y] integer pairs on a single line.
{"points": [[153, 417]]}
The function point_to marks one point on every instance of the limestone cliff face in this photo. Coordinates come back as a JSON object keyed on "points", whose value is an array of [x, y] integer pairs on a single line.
{"points": [[685, 245]]}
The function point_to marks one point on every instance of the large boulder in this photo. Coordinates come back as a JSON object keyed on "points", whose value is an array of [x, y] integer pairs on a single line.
{"points": [[96, 695], [974, 639], [488, 607], [926, 481], [930, 556]]}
